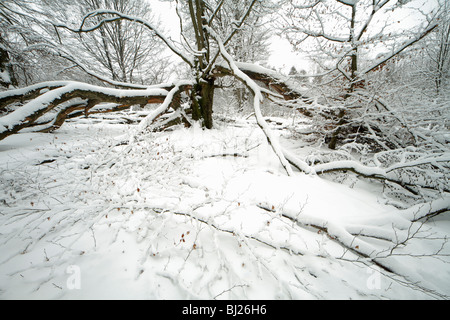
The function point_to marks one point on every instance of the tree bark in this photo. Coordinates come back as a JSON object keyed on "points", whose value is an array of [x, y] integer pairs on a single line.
{"points": [[202, 97], [353, 74], [7, 77], [207, 101]]}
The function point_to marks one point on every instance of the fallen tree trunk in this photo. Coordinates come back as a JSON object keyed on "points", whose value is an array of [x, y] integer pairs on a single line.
{"points": [[28, 93], [31, 111], [41, 98]]}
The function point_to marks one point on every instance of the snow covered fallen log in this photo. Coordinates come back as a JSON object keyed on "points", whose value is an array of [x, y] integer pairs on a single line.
{"points": [[31, 111], [28, 93], [355, 238], [375, 172]]}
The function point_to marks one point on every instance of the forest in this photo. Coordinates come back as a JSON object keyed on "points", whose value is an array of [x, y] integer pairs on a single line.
{"points": [[154, 150]]}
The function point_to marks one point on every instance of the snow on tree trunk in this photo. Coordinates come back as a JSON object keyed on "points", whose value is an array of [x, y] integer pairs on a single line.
{"points": [[7, 77]]}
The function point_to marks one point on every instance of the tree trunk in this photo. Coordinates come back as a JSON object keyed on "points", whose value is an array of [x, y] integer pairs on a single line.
{"points": [[334, 138], [7, 77], [202, 102], [353, 75]]}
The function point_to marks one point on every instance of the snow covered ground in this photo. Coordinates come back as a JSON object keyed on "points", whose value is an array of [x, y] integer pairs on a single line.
{"points": [[193, 214]]}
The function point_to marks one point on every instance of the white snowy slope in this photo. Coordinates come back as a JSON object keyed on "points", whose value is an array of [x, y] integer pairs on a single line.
{"points": [[188, 214]]}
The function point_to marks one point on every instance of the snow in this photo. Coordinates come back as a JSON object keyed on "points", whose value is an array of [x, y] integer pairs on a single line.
{"points": [[199, 214], [4, 76]]}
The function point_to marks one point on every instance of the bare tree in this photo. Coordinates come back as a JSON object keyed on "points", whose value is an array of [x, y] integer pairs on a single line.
{"points": [[439, 51], [341, 36], [121, 50], [27, 42]]}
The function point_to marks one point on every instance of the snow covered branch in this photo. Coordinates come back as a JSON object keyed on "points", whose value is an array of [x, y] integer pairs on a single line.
{"points": [[168, 101], [396, 52], [258, 97], [378, 173]]}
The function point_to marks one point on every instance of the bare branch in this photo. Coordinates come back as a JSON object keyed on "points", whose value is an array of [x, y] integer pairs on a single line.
{"points": [[228, 39], [216, 11], [401, 49]]}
